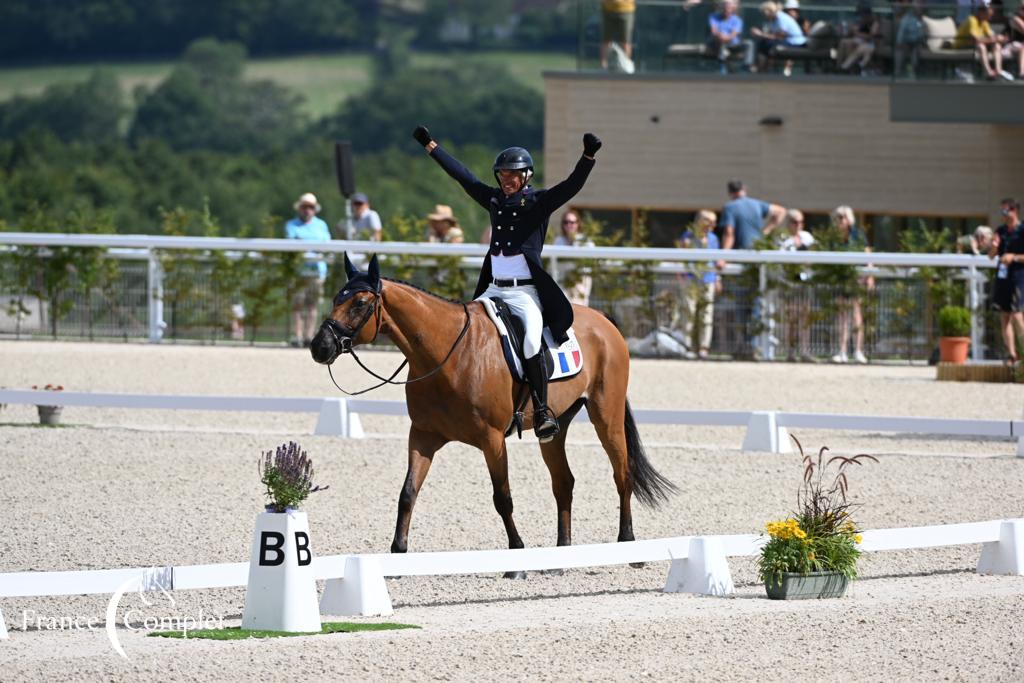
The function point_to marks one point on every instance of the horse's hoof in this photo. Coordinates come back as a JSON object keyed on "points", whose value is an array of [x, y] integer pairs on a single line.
{"points": [[515, 575], [637, 565], [553, 572]]}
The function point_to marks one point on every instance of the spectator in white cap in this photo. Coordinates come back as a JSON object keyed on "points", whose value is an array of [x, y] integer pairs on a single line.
{"points": [[306, 300]]}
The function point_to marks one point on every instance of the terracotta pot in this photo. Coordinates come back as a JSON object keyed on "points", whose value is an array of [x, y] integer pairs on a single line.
{"points": [[954, 349]]}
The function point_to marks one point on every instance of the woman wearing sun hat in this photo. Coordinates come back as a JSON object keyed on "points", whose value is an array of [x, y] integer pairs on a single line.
{"points": [[443, 226], [306, 302]]}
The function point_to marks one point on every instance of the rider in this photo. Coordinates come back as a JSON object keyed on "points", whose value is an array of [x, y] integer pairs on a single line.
{"points": [[513, 270]]}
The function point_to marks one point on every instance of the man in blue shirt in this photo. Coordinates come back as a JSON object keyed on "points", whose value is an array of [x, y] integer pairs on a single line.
{"points": [[725, 29], [744, 220], [306, 302], [779, 29]]}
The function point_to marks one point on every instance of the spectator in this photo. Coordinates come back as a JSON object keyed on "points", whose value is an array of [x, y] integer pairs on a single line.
{"points": [[779, 29], [910, 38], [1015, 40], [306, 302], [976, 32], [698, 289], [443, 226], [366, 225], [797, 300], [859, 47], [744, 219], [580, 282], [1008, 294], [725, 28], [792, 8], [978, 242], [848, 296], [617, 17]]}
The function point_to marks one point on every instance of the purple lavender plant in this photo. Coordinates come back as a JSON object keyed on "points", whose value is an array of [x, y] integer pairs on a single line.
{"points": [[288, 475]]}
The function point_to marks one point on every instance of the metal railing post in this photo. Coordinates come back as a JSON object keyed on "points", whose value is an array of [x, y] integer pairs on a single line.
{"points": [[155, 297], [762, 295], [977, 323], [554, 270]]}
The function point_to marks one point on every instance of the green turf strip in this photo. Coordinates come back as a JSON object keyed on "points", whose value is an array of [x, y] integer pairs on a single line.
{"points": [[238, 633]]}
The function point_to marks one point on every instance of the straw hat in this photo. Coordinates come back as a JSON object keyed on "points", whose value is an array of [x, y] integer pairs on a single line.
{"points": [[308, 198], [443, 212]]}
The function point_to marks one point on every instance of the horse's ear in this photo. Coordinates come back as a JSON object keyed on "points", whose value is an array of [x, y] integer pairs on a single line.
{"points": [[350, 270], [374, 270]]}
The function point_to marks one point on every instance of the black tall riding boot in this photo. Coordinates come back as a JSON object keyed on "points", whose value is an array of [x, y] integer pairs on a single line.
{"points": [[545, 426]]}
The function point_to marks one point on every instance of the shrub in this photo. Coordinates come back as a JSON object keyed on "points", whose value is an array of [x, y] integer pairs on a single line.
{"points": [[954, 321], [288, 475]]}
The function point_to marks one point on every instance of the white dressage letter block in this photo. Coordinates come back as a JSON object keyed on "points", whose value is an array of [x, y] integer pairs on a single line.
{"points": [[705, 571], [355, 426], [764, 434], [1005, 556], [281, 595], [333, 420], [362, 593]]}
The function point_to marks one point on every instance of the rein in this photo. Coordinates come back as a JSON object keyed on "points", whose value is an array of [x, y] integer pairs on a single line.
{"points": [[345, 344]]}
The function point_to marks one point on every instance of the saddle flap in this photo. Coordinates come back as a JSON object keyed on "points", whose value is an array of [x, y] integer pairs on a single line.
{"points": [[564, 360]]}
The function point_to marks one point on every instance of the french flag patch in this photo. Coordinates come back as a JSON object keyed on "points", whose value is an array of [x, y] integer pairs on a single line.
{"points": [[567, 359]]}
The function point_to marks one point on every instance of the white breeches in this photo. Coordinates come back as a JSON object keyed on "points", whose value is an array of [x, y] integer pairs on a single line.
{"points": [[525, 305]]}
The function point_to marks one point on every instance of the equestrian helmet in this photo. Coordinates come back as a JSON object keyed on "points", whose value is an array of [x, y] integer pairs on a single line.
{"points": [[514, 159]]}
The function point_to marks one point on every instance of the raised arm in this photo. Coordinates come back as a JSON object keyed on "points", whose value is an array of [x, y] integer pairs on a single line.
{"points": [[555, 196], [474, 187]]}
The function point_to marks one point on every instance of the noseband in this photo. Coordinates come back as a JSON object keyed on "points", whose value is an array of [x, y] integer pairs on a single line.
{"points": [[343, 338]]}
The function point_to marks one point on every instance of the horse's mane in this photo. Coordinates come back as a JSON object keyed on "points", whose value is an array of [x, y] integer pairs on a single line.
{"points": [[421, 289]]}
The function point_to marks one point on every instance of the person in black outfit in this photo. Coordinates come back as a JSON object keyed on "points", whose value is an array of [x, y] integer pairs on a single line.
{"points": [[1008, 295], [513, 270]]}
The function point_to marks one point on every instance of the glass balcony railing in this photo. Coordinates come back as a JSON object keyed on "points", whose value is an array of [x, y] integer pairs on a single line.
{"points": [[904, 40]]}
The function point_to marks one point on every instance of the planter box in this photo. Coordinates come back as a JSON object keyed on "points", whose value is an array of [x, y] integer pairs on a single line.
{"points": [[809, 586], [49, 415]]}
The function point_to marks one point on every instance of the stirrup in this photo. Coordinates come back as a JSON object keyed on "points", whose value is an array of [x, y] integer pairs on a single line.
{"points": [[545, 426]]}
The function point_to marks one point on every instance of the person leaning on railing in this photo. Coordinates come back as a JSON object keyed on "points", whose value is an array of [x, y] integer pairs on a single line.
{"points": [[578, 292], [797, 298], [697, 289], [849, 292]]}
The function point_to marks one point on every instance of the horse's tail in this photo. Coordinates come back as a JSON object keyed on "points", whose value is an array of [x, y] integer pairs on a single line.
{"points": [[651, 487]]}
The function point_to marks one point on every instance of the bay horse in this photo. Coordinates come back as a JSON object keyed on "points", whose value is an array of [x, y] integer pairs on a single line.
{"points": [[460, 389]]}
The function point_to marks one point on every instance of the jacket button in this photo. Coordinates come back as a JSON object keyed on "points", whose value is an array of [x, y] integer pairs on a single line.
{"points": [[508, 244], [499, 212], [497, 244], [513, 213]]}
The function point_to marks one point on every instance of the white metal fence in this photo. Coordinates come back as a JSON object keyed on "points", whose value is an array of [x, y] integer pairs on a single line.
{"points": [[138, 308]]}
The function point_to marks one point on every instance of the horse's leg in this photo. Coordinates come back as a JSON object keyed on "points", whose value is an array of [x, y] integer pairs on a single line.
{"points": [[422, 446], [561, 476], [607, 410], [496, 454]]}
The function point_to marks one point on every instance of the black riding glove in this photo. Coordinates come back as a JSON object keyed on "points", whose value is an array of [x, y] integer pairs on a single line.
{"points": [[591, 143], [422, 136]]}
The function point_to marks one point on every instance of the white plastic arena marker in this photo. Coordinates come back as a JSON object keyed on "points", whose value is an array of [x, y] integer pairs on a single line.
{"points": [[704, 572], [333, 420], [281, 594], [3, 627], [1005, 556], [764, 434], [361, 593]]}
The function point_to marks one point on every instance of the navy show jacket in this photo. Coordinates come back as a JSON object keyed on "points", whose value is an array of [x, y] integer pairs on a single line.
{"points": [[519, 225]]}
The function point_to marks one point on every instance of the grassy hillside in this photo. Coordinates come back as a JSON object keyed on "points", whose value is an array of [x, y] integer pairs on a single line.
{"points": [[325, 79]]}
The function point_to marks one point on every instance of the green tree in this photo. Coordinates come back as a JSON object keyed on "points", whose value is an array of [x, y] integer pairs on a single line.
{"points": [[91, 110]]}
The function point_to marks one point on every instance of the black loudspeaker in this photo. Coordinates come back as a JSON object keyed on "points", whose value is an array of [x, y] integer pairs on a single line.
{"points": [[343, 168]]}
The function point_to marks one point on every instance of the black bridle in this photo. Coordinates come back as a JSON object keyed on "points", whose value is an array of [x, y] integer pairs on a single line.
{"points": [[343, 338]]}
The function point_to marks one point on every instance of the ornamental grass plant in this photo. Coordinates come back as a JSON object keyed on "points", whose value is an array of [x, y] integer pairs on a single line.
{"points": [[288, 475], [821, 535]]}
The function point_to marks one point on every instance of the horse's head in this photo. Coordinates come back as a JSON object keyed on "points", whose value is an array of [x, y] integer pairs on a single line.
{"points": [[355, 316]]}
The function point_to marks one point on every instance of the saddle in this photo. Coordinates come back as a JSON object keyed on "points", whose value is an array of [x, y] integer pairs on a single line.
{"points": [[564, 360]]}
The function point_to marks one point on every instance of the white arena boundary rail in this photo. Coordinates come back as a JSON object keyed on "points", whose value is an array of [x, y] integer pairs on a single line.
{"points": [[766, 430], [147, 247], [355, 583]]}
